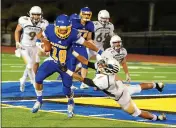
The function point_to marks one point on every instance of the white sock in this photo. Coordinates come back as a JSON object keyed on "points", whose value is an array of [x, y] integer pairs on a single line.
{"points": [[25, 75], [39, 93], [154, 117], [134, 89], [32, 76], [154, 85]]}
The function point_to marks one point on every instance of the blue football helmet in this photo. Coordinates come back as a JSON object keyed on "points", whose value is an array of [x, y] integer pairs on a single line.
{"points": [[62, 26], [75, 16], [85, 14]]}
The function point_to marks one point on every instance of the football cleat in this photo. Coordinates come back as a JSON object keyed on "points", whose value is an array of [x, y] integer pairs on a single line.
{"points": [[74, 87], [36, 106], [22, 85], [70, 108], [160, 86], [161, 117], [84, 86]]}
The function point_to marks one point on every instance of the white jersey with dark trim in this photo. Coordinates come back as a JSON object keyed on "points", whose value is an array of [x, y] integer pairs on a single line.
{"points": [[102, 32], [109, 85], [119, 54], [29, 32]]}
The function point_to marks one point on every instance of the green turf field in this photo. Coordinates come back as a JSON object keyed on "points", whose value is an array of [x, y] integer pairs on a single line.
{"points": [[13, 67], [12, 70]]}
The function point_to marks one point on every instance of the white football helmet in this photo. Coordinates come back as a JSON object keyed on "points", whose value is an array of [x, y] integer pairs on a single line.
{"points": [[103, 16], [35, 10], [108, 67], [113, 65], [115, 39]]}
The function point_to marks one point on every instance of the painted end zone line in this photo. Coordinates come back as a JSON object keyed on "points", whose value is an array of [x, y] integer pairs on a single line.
{"points": [[57, 110], [14, 107]]}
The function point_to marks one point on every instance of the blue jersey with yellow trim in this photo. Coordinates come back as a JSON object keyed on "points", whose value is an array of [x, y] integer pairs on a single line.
{"points": [[60, 46], [83, 29]]}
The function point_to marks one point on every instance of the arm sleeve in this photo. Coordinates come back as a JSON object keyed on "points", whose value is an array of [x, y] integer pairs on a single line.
{"points": [[91, 65], [89, 82]]}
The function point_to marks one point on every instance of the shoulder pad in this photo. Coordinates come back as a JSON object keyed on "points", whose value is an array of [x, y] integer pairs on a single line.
{"points": [[23, 20], [45, 24], [95, 22], [124, 51]]}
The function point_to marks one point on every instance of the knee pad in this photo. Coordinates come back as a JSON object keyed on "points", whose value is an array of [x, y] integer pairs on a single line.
{"points": [[132, 109]]}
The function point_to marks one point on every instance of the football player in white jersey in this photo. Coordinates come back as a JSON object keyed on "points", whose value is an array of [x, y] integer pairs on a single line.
{"points": [[25, 37], [118, 52], [106, 81], [103, 29]]}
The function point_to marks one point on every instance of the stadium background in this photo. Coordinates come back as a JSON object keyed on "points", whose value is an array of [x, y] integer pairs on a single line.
{"points": [[146, 26]]}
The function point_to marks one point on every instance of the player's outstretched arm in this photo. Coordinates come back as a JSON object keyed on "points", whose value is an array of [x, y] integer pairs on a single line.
{"points": [[87, 81], [90, 44], [125, 68], [80, 58], [83, 60]]}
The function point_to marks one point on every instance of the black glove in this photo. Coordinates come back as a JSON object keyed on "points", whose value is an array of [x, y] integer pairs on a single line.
{"points": [[63, 67]]}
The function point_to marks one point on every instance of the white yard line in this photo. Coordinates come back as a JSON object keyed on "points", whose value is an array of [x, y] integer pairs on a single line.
{"points": [[13, 64], [14, 107], [16, 66], [135, 75], [102, 115], [12, 71], [57, 110], [154, 95], [159, 76], [140, 67]]}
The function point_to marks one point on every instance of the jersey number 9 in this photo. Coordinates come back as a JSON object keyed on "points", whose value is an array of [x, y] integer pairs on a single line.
{"points": [[32, 35]]}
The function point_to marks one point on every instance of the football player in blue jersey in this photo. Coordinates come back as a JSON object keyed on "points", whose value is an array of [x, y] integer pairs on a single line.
{"points": [[58, 39], [86, 27]]}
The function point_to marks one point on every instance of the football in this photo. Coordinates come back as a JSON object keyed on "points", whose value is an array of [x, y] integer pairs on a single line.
{"points": [[47, 45]]}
